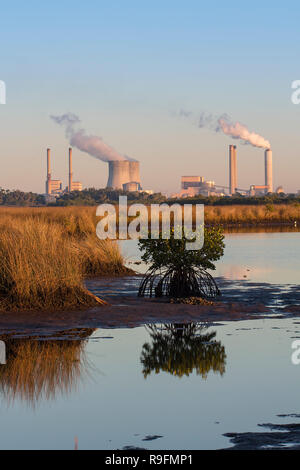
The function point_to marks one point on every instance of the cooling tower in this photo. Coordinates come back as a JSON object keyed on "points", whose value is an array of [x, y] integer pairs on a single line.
{"points": [[134, 172], [268, 171], [232, 169], [118, 173]]}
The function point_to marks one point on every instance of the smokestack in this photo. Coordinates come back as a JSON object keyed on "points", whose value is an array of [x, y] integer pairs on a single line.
{"points": [[268, 171], [235, 170], [232, 169], [118, 173], [70, 170], [48, 182]]}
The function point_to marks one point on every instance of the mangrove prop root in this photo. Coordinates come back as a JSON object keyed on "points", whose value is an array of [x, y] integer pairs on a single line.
{"points": [[193, 282]]}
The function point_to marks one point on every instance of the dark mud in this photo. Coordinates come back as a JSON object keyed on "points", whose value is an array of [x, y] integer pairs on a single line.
{"points": [[240, 300], [152, 437], [276, 296], [127, 312], [279, 437]]}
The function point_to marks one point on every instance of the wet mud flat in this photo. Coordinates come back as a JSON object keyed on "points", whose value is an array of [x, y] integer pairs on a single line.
{"points": [[274, 437], [243, 291], [240, 300], [125, 312]]}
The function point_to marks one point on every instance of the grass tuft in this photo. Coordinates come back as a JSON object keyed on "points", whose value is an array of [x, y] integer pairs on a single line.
{"points": [[46, 254]]}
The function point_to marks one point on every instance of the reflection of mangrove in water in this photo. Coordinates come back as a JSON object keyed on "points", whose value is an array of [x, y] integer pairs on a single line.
{"points": [[182, 348], [39, 368]]}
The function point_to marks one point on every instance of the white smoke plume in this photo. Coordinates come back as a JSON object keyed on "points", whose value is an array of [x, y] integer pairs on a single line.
{"points": [[224, 124], [91, 144]]}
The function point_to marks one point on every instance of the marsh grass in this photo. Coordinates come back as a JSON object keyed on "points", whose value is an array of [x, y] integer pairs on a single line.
{"points": [[246, 215], [46, 254], [78, 225], [39, 268], [101, 257], [269, 214]]}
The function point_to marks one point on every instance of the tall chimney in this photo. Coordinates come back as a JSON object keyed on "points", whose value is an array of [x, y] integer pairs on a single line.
{"points": [[268, 171], [232, 170], [70, 170], [48, 182]]}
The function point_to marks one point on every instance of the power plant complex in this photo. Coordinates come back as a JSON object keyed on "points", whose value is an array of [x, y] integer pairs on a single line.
{"points": [[124, 172], [124, 175], [196, 185]]}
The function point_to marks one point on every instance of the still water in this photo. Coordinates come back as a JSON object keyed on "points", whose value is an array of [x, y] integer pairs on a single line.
{"points": [[113, 388], [263, 257]]}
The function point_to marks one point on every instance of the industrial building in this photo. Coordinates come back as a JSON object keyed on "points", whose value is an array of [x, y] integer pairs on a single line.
{"points": [[76, 186], [196, 185], [131, 187], [55, 187], [257, 190]]}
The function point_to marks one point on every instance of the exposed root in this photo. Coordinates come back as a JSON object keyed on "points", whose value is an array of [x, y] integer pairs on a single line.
{"points": [[192, 282]]}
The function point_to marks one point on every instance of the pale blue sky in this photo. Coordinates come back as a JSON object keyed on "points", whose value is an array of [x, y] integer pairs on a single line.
{"points": [[125, 67]]}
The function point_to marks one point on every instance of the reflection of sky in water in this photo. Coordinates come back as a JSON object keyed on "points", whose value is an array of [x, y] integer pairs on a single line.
{"points": [[118, 407], [269, 257]]}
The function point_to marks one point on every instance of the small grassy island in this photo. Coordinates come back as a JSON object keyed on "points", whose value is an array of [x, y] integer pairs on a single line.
{"points": [[46, 253]]}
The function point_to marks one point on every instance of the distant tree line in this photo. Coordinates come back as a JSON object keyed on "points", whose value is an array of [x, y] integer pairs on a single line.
{"points": [[92, 197], [240, 200], [20, 198]]}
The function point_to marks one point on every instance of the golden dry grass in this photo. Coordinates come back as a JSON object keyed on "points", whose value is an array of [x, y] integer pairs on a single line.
{"points": [[252, 215], [81, 221], [101, 257], [78, 224], [45, 255]]}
